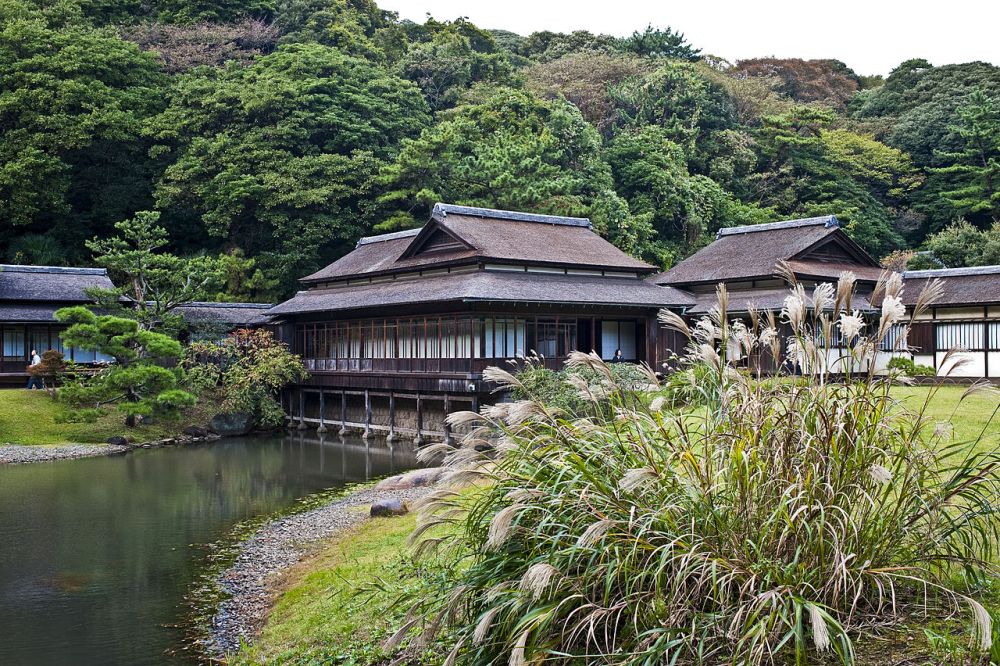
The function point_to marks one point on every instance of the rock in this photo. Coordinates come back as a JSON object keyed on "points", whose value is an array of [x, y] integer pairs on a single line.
{"points": [[231, 424], [146, 420], [388, 507], [117, 440], [195, 431], [413, 479]]}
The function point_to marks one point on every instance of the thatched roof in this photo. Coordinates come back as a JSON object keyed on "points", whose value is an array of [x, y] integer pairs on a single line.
{"points": [[487, 286], [53, 284], [973, 286], [231, 314], [458, 235], [814, 247]]}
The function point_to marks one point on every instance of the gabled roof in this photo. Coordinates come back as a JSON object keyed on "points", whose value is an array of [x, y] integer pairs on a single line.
{"points": [[54, 284], [462, 235], [481, 285], [814, 247], [977, 285]]}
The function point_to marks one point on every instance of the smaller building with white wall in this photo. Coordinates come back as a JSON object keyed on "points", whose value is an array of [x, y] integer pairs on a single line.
{"points": [[965, 317]]}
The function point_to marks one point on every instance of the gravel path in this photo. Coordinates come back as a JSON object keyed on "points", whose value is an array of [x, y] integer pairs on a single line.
{"points": [[273, 549], [15, 453]]}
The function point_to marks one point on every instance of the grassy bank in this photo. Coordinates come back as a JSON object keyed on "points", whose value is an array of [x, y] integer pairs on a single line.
{"points": [[338, 606], [34, 418]]}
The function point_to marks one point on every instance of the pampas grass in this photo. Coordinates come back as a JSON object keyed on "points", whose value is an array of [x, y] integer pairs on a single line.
{"points": [[776, 523]]}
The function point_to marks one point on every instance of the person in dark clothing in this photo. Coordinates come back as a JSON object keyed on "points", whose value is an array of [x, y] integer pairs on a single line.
{"points": [[618, 358]]}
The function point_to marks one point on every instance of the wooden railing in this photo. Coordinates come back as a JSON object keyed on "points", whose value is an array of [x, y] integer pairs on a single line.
{"points": [[450, 366]]}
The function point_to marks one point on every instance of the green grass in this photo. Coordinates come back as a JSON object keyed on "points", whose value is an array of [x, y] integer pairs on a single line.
{"points": [[968, 417], [32, 417], [337, 607]]}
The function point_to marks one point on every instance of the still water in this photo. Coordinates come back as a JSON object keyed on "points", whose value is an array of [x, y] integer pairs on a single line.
{"points": [[97, 554]]}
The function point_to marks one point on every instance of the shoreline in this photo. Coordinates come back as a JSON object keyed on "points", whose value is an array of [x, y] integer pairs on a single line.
{"points": [[26, 454], [271, 551]]}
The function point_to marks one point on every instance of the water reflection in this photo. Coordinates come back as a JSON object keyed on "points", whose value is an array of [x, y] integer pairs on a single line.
{"points": [[96, 554]]}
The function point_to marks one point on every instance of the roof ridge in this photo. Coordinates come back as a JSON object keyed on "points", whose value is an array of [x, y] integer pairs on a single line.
{"points": [[953, 272], [62, 270], [828, 221], [443, 209], [224, 304], [405, 233]]}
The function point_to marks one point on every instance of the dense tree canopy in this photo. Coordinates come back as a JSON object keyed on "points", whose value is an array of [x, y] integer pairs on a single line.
{"points": [[73, 101], [278, 159], [267, 136]]}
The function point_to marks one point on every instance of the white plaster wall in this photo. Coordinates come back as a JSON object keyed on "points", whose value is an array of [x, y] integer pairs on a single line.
{"points": [[976, 367], [959, 313], [994, 363]]}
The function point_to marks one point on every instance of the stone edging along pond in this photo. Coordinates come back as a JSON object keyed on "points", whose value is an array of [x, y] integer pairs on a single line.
{"points": [[241, 591], [16, 454]]}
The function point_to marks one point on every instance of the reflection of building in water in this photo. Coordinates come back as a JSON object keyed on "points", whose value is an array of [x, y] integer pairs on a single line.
{"points": [[353, 458]]}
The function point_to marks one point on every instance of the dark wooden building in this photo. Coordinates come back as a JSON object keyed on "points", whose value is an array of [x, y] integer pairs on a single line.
{"points": [[415, 317], [29, 296], [747, 259]]}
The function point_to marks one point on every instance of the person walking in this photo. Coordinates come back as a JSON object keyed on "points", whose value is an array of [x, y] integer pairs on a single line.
{"points": [[34, 381]]}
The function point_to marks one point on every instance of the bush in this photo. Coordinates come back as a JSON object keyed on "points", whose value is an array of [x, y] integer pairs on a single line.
{"points": [[572, 389], [911, 369], [780, 523], [251, 367]]}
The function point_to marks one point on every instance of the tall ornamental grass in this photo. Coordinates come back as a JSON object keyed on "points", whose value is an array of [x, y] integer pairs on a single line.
{"points": [[778, 524]]}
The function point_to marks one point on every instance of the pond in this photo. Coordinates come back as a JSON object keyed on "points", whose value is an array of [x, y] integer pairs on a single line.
{"points": [[97, 554]]}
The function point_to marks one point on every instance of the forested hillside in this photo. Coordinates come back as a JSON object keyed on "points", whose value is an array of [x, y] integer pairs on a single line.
{"points": [[274, 133]]}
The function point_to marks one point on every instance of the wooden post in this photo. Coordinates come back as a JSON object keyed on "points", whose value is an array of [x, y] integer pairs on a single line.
{"points": [[475, 404], [391, 437], [419, 438], [447, 428], [343, 413], [322, 412], [368, 416], [302, 409]]}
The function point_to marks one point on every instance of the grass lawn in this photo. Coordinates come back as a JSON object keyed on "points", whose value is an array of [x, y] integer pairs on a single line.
{"points": [[968, 417], [337, 606], [32, 417]]}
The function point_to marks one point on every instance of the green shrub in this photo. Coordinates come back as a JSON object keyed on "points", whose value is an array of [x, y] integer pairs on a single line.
{"points": [[779, 524], [909, 368], [251, 367], [572, 389], [85, 415]]}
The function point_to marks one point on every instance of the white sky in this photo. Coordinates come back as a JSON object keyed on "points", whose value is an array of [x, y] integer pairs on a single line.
{"points": [[871, 36]]}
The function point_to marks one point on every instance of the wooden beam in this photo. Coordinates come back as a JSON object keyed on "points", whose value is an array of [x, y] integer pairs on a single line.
{"points": [[447, 428], [368, 417], [322, 412], [419, 439], [391, 437], [343, 413]]}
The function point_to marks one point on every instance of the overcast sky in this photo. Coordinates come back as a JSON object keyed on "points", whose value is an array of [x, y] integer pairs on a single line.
{"points": [[871, 36]]}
